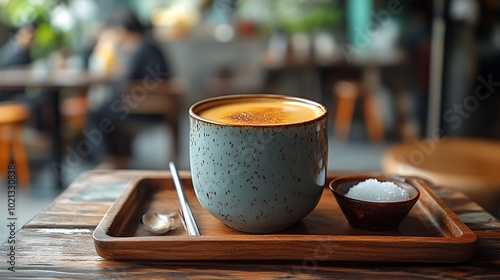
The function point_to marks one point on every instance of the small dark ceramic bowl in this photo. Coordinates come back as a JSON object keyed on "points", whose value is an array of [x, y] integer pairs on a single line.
{"points": [[372, 215]]}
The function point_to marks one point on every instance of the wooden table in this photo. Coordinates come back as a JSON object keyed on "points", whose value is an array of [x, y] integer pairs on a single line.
{"points": [[18, 78], [58, 243], [371, 68], [469, 165], [52, 81]]}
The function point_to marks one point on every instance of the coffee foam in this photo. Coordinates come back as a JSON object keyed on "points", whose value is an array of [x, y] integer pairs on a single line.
{"points": [[257, 116], [262, 111]]}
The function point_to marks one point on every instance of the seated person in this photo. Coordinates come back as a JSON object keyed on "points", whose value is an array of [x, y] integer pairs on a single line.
{"points": [[16, 51], [138, 62]]}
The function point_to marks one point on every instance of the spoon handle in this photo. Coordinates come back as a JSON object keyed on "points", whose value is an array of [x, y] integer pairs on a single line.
{"points": [[191, 226]]}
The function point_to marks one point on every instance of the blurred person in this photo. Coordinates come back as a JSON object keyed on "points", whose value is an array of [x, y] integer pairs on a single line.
{"points": [[103, 58], [136, 61], [141, 50], [102, 61], [15, 52]]}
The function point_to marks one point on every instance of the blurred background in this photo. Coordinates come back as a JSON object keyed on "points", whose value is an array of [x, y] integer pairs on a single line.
{"points": [[108, 84]]}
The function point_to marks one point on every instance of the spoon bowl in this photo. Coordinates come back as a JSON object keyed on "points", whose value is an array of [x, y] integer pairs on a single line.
{"points": [[159, 223]]}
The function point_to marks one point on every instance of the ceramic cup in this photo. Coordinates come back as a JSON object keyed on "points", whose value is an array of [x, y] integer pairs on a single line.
{"points": [[258, 171]]}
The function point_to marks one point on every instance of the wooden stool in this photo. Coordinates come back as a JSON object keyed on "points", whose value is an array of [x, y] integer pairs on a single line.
{"points": [[346, 95], [469, 165], [12, 115]]}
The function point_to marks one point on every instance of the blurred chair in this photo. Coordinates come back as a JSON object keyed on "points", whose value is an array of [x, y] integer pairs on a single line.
{"points": [[469, 165], [162, 99], [12, 115], [346, 94], [73, 111]]}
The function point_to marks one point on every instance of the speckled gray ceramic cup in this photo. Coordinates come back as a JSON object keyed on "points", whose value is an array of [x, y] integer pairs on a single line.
{"points": [[258, 178]]}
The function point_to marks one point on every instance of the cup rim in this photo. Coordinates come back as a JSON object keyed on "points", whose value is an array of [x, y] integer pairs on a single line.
{"points": [[256, 95]]}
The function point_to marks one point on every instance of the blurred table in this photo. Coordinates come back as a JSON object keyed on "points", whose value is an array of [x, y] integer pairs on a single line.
{"points": [[16, 78], [58, 242], [466, 164], [53, 82], [371, 67], [340, 57]]}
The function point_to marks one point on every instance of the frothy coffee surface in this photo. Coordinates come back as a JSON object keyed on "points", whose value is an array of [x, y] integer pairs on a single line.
{"points": [[262, 111]]}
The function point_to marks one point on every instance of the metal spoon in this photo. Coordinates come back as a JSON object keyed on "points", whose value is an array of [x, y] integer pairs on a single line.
{"points": [[187, 215]]}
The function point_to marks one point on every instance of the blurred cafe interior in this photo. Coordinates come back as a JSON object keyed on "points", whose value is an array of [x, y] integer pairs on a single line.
{"points": [[412, 87]]}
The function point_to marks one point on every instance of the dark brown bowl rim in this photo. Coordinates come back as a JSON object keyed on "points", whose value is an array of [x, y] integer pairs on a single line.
{"points": [[382, 178]]}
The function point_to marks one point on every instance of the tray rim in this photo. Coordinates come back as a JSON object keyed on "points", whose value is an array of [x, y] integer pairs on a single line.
{"points": [[465, 240]]}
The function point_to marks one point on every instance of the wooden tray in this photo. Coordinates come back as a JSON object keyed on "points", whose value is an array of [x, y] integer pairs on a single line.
{"points": [[430, 233]]}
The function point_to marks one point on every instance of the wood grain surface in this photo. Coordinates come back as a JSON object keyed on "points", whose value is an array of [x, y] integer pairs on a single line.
{"points": [[58, 243]]}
